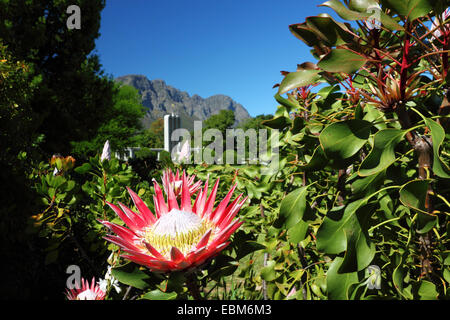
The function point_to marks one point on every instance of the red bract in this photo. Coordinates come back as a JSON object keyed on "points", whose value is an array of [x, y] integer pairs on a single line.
{"points": [[86, 292], [179, 235], [174, 181]]}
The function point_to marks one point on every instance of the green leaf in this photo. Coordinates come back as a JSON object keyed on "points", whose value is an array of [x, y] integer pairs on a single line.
{"points": [[427, 291], [130, 274], [342, 140], [268, 272], [412, 9], [292, 208], [413, 195], [360, 250], [331, 32], [298, 232], [331, 237], [343, 12], [338, 284], [302, 32], [362, 5], [277, 122], [368, 185], [298, 79], [362, 12], [347, 230], [437, 135], [86, 167], [317, 162], [159, 295], [382, 154], [341, 60]]}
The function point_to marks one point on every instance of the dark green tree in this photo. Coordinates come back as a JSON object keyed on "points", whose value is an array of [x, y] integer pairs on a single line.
{"points": [[74, 95], [222, 121], [256, 122], [123, 126]]}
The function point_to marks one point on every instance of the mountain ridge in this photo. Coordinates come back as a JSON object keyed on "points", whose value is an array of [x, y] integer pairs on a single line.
{"points": [[160, 98]]}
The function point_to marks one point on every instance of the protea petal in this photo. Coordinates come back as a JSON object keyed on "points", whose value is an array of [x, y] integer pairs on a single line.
{"points": [[180, 235], [162, 207], [142, 208], [130, 223]]}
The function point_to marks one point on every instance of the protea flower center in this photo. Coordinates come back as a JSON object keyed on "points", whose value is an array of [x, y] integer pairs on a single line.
{"points": [[180, 229]]}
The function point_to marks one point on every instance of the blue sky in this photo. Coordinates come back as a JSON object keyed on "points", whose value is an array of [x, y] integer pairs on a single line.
{"points": [[207, 47]]}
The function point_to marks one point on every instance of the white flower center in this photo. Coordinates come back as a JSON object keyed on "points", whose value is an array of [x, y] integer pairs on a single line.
{"points": [[179, 229], [176, 222], [87, 295]]}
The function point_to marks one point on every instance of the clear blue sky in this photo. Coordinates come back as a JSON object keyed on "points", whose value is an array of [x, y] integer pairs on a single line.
{"points": [[207, 47]]}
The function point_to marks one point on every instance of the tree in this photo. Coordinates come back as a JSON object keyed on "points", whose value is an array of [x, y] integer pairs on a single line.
{"points": [[153, 137], [222, 121], [123, 125], [74, 95], [256, 122]]}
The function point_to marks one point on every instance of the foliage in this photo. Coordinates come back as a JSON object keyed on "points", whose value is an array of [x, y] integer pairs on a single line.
{"points": [[121, 126], [370, 152], [153, 137], [73, 96]]}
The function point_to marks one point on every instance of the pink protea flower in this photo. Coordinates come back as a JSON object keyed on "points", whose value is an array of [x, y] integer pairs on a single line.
{"points": [[174, 181], [178, 236], [86, 292]]}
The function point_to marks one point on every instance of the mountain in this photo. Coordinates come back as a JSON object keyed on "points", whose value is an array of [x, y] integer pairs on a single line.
{"points": [[160, 99]]}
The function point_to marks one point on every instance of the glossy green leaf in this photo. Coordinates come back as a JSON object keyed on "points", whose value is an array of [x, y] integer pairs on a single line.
{"points": [[347, 230], [438, 135], [427, 290], [292, 208], [338, 284], [412, 9], [342, 140], [343, 11], [360, 10], [341, 60], [277, 122], [302, 32], [382, 154], [86, 167], [318, 161], [413, 195], [360, 251], [298, 79], [328, 30], [331, 236], [159, 295], [130, 274], [368, 185], [362, 5], [298, 232]]}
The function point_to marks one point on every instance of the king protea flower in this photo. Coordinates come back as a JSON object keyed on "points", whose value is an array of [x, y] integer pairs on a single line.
{"points": [[174, 181], [178, 236], [86, 292]]}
